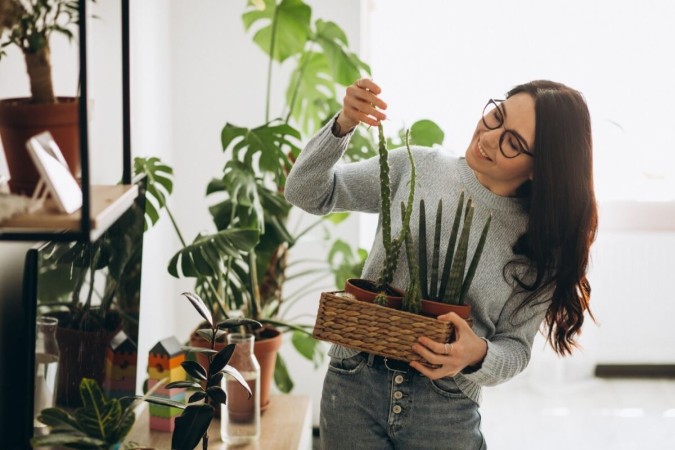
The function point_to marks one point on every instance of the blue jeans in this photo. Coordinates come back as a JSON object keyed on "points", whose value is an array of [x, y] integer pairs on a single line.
{"points": [[368, 405]]}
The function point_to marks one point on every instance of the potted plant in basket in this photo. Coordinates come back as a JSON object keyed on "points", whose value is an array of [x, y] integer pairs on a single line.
{"points": [[29, 24], [342, 320], [433, 295]]}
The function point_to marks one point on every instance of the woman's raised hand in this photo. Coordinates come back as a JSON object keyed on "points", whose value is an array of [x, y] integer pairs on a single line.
{"points": [[361, 104]]}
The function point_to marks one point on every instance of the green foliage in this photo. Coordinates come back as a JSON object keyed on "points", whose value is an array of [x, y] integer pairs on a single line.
{"points": [[454, 283], [193, 423], [30, 23], [159, 186], [99, 423]]}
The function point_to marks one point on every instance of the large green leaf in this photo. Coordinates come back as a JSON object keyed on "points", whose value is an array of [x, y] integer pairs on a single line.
{"points": [[426, 133], [267, 145], [69, 440], [308, 347], [57, 418], [281, 377], [345, 66], [310, 92], [191, 426], [159, 186], [205, 254], [344, 262], [362, 145], [98, 416], [292, 27]]}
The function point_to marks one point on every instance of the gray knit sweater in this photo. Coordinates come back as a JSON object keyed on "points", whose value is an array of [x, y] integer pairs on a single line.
{"points": [[319, 183]]}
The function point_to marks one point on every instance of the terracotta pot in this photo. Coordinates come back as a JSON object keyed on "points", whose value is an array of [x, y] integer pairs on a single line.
{"points": [[435, 309], [265, 351], [364, 290], [20, 119]]}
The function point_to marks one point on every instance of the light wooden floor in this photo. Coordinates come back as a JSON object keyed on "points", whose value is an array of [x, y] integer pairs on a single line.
{"points": [[592, 414]]}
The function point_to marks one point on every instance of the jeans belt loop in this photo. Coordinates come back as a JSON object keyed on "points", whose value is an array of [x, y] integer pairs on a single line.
{"points": [[371, 359]]}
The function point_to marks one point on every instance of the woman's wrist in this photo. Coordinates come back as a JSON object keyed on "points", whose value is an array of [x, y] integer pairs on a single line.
{"points": [[342, 126]]}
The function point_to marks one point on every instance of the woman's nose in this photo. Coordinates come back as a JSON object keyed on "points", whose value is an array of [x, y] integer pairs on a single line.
{"points": [[490, 138]]}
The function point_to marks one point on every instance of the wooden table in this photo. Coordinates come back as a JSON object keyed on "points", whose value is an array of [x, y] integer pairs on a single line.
{"points": [[285, 425]]}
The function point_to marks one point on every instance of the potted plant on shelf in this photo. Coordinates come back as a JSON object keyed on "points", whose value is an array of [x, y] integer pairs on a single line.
{"points": [[101, 423], [29, 24]]}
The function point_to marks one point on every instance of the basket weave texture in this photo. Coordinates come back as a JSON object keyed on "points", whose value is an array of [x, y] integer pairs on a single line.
{"points": [[375, 329]]}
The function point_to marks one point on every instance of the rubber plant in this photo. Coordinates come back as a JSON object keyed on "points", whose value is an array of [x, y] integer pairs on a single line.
{"points": [[193, 423]]}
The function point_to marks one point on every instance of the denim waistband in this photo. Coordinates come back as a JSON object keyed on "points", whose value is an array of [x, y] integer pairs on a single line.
{"points": [[393, 365]]}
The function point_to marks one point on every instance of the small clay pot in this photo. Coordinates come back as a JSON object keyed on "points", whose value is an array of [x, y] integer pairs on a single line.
{"points": [[435, 309], [365, 291]]}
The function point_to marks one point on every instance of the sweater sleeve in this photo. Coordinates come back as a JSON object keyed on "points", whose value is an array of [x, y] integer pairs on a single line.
{"points": [[319, 184], [510, 348]]}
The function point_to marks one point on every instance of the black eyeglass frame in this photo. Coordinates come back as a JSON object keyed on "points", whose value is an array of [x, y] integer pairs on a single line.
{"points": [[522, 147]]}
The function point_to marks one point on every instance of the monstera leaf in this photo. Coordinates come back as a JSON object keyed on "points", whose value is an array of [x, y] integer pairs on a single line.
{"points": [[203, 257], [426, 133], [345, 66], [159, 186], [268, 144], [311, 92], [291, 28]]}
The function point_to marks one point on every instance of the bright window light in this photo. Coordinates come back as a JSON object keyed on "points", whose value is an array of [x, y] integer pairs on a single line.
{"points": [[442, 60]]}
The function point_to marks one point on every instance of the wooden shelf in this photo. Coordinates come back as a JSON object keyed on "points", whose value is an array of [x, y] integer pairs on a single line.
{"points": [[287, 425], [108, 203]]}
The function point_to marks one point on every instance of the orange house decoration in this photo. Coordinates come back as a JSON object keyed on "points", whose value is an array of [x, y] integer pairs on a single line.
{"points": [[164, 362], [120, 367]]}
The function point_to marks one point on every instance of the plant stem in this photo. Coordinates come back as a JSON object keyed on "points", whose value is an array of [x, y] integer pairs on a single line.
{"points": [[255, 290], [296, 88], [175, 225], [271, 60]]}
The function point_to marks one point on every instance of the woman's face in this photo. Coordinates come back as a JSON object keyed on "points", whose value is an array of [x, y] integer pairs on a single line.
{"points": [[499, 174]]}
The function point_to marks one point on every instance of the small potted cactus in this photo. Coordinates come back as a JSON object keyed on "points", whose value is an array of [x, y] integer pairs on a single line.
{"points": [[381, 291], [433, 295]]}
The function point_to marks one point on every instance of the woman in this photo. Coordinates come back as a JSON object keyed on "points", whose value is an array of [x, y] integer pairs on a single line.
{"points": [[529, 165]]}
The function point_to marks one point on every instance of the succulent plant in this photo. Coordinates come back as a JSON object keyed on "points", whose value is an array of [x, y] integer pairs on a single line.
{"points": [[454, 283], [392, 247]]}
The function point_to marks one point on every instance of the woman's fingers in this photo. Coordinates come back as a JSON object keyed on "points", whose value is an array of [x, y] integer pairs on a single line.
{"points": [[362, 104]]}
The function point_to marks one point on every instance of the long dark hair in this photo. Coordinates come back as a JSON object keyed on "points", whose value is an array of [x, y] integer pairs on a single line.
{"points": [[563, 215]]}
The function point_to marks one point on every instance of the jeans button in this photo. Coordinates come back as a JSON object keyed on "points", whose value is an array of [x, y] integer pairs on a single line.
{"points": [[396, 409], [398, 395], [398, 379]]}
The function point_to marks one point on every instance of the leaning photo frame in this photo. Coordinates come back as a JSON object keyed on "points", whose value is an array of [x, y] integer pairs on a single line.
{"points": [[54, 173]]}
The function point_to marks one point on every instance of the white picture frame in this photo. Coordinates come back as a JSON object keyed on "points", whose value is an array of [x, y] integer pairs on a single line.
{"points": [[54, 172]]}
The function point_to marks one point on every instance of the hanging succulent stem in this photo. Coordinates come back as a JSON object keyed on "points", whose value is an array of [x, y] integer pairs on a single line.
{"points": [[392, 248]]}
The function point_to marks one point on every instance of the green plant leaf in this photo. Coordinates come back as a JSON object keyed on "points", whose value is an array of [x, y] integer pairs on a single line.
{"points": [[268, 145], [215, 379], [207, 334], [194, 369], [191, 426], [221, 359], [206, 351], [308, 347], [237, 376], [197, 396], [426, 133], [165, 402], [292, 27], [159, 186], [281, 377], [234, 323], [98, 416], [184, 384], [201, 308], [72, 440], [345, 66], [310, 91], [197, 258], [362, 144], [58, 418], [217, 394]]}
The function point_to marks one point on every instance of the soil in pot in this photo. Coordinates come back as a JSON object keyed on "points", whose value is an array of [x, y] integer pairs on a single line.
{"points": [[365, 291]]}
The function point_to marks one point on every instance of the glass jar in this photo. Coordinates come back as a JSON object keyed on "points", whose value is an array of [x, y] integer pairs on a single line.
{"points": [[46, 368], [240, 417]]}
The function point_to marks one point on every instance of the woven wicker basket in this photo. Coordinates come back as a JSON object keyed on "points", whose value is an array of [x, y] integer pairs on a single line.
{"points": [[375, 329]]}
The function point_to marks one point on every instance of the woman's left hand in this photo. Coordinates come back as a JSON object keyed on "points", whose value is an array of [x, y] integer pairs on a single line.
{"points": [[467, 350]]}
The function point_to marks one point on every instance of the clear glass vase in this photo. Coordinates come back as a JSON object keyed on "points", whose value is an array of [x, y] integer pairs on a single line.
{"points": [[46, 369], [240, 417]]}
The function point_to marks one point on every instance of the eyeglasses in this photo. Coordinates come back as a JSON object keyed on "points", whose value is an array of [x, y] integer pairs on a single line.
{"points": [[511, 144]]}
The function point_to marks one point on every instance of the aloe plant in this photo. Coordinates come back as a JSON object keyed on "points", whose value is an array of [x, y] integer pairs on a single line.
{"points": [[454, 283], [392, 248]]}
